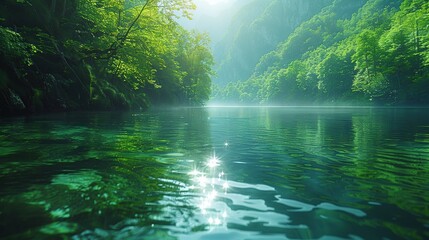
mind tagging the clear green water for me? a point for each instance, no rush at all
(285, 173)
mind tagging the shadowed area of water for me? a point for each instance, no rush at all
(217, 173)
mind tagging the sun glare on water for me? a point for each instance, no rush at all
(210, 181)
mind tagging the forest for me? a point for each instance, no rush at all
(60, 55)
(214, 119)
(372, 52)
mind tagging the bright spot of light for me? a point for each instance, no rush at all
(216, 2)
(212, 195)
(194, 172)
(213, 162)
(202, 181)
(210, 182)
(225, 185)
(214, 221)
(224, 214)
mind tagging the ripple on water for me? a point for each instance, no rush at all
(81, 180)
(304, 207)
(251, 211)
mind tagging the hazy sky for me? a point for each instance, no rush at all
(213, 17)
(212, 7)
(214, 2)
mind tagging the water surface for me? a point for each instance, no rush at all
(217, 173)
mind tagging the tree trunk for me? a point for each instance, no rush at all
(53, 6)
(63, 12)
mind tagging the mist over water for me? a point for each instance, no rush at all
(317, 52)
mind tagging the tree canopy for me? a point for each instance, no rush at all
(100, 54)
(369, 52)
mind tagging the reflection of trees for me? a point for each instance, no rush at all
(386, 151)
(116, 168)
(389, 167)
(144, 153)
(353, 156)
(311, 141)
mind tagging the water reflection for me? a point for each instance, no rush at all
(96, 173)
(211, 183)
(370, 161)
(262, 173)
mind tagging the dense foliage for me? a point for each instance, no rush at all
(257, 28)
(375, 52)
(100, 54)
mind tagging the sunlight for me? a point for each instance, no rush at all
(202, 181)
(213, 162)
(195, 172)
(216, 2)
(211, 184)
(225, 185)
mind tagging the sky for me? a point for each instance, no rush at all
(212, 7)
(212, 17)
(215, 2)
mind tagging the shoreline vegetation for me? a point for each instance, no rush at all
(66, 55)
(371, 52)
(98, 55)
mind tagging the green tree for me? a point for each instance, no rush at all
(197, 63)
(404, 51)
(369, 78)
(335, 75)
(103, 53)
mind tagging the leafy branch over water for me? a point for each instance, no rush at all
(82, 54)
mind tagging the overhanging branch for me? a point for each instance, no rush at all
(112, 50)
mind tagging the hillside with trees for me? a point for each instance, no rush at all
(61, 55)
(368, 52)
(257, 28)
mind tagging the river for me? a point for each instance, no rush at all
(217, 173)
